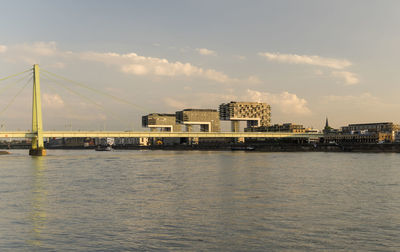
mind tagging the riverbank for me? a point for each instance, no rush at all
(260, 147)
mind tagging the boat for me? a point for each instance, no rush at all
(103, 148)
(244, 148)
(105, 144)
(4, 152)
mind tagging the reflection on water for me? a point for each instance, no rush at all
(191, 201)
(38, 193)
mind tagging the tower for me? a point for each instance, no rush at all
(37, 148)
(327, 128)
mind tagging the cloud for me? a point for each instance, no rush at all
(205, 51)
(198, 100)
(3, 48)
(52, 101)
(40, 48)
(38, 52)
(349, 78)
(140, 65)
(332, 63)
(285, 102)
(307, 59)
(49, 56)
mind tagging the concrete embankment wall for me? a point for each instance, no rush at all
(266, 147)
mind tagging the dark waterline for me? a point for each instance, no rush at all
(176, 200)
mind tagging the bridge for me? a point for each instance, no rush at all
(37, 134)
(45, 134)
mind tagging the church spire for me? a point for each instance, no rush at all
(327, 128)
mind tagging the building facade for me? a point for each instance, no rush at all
(164, 122)
(371, 127)
(358, 138)
(208, 119)
(256, 114)
(286, 127)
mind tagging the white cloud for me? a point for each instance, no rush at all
(40, 48)
(48, 55)
(52, 101)
(3, 48)
(140, 65)
(282, 103)
(307, 59)
(205, 51)
(285, 102)
(38, 52)
(349, 78)
(198, 100)
(135, 69)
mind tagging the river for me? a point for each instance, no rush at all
(83, 200)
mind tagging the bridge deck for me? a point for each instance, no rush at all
(27, 134)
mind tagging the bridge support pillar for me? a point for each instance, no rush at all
(235, 128)
(37, 148)
(37, 152)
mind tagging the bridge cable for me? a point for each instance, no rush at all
(9, 85)
(84, 97)
(96, 91)
(14, 75)
(15, 96)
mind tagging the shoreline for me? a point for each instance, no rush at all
(253, 147)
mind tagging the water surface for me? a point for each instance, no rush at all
(198, 200)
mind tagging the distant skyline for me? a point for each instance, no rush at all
(308, 59)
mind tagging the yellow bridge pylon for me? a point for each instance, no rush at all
(37, 148)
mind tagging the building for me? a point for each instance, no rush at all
(286, 127)
(256, 114)
(328, 129)
(387, 127)
(164, 122)
(340, 138)
(363, 133)
(312, 130)
(208, 119)
(131, 141)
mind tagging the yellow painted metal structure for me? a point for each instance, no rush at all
(37, 148)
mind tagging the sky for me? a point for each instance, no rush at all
(308, 59)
